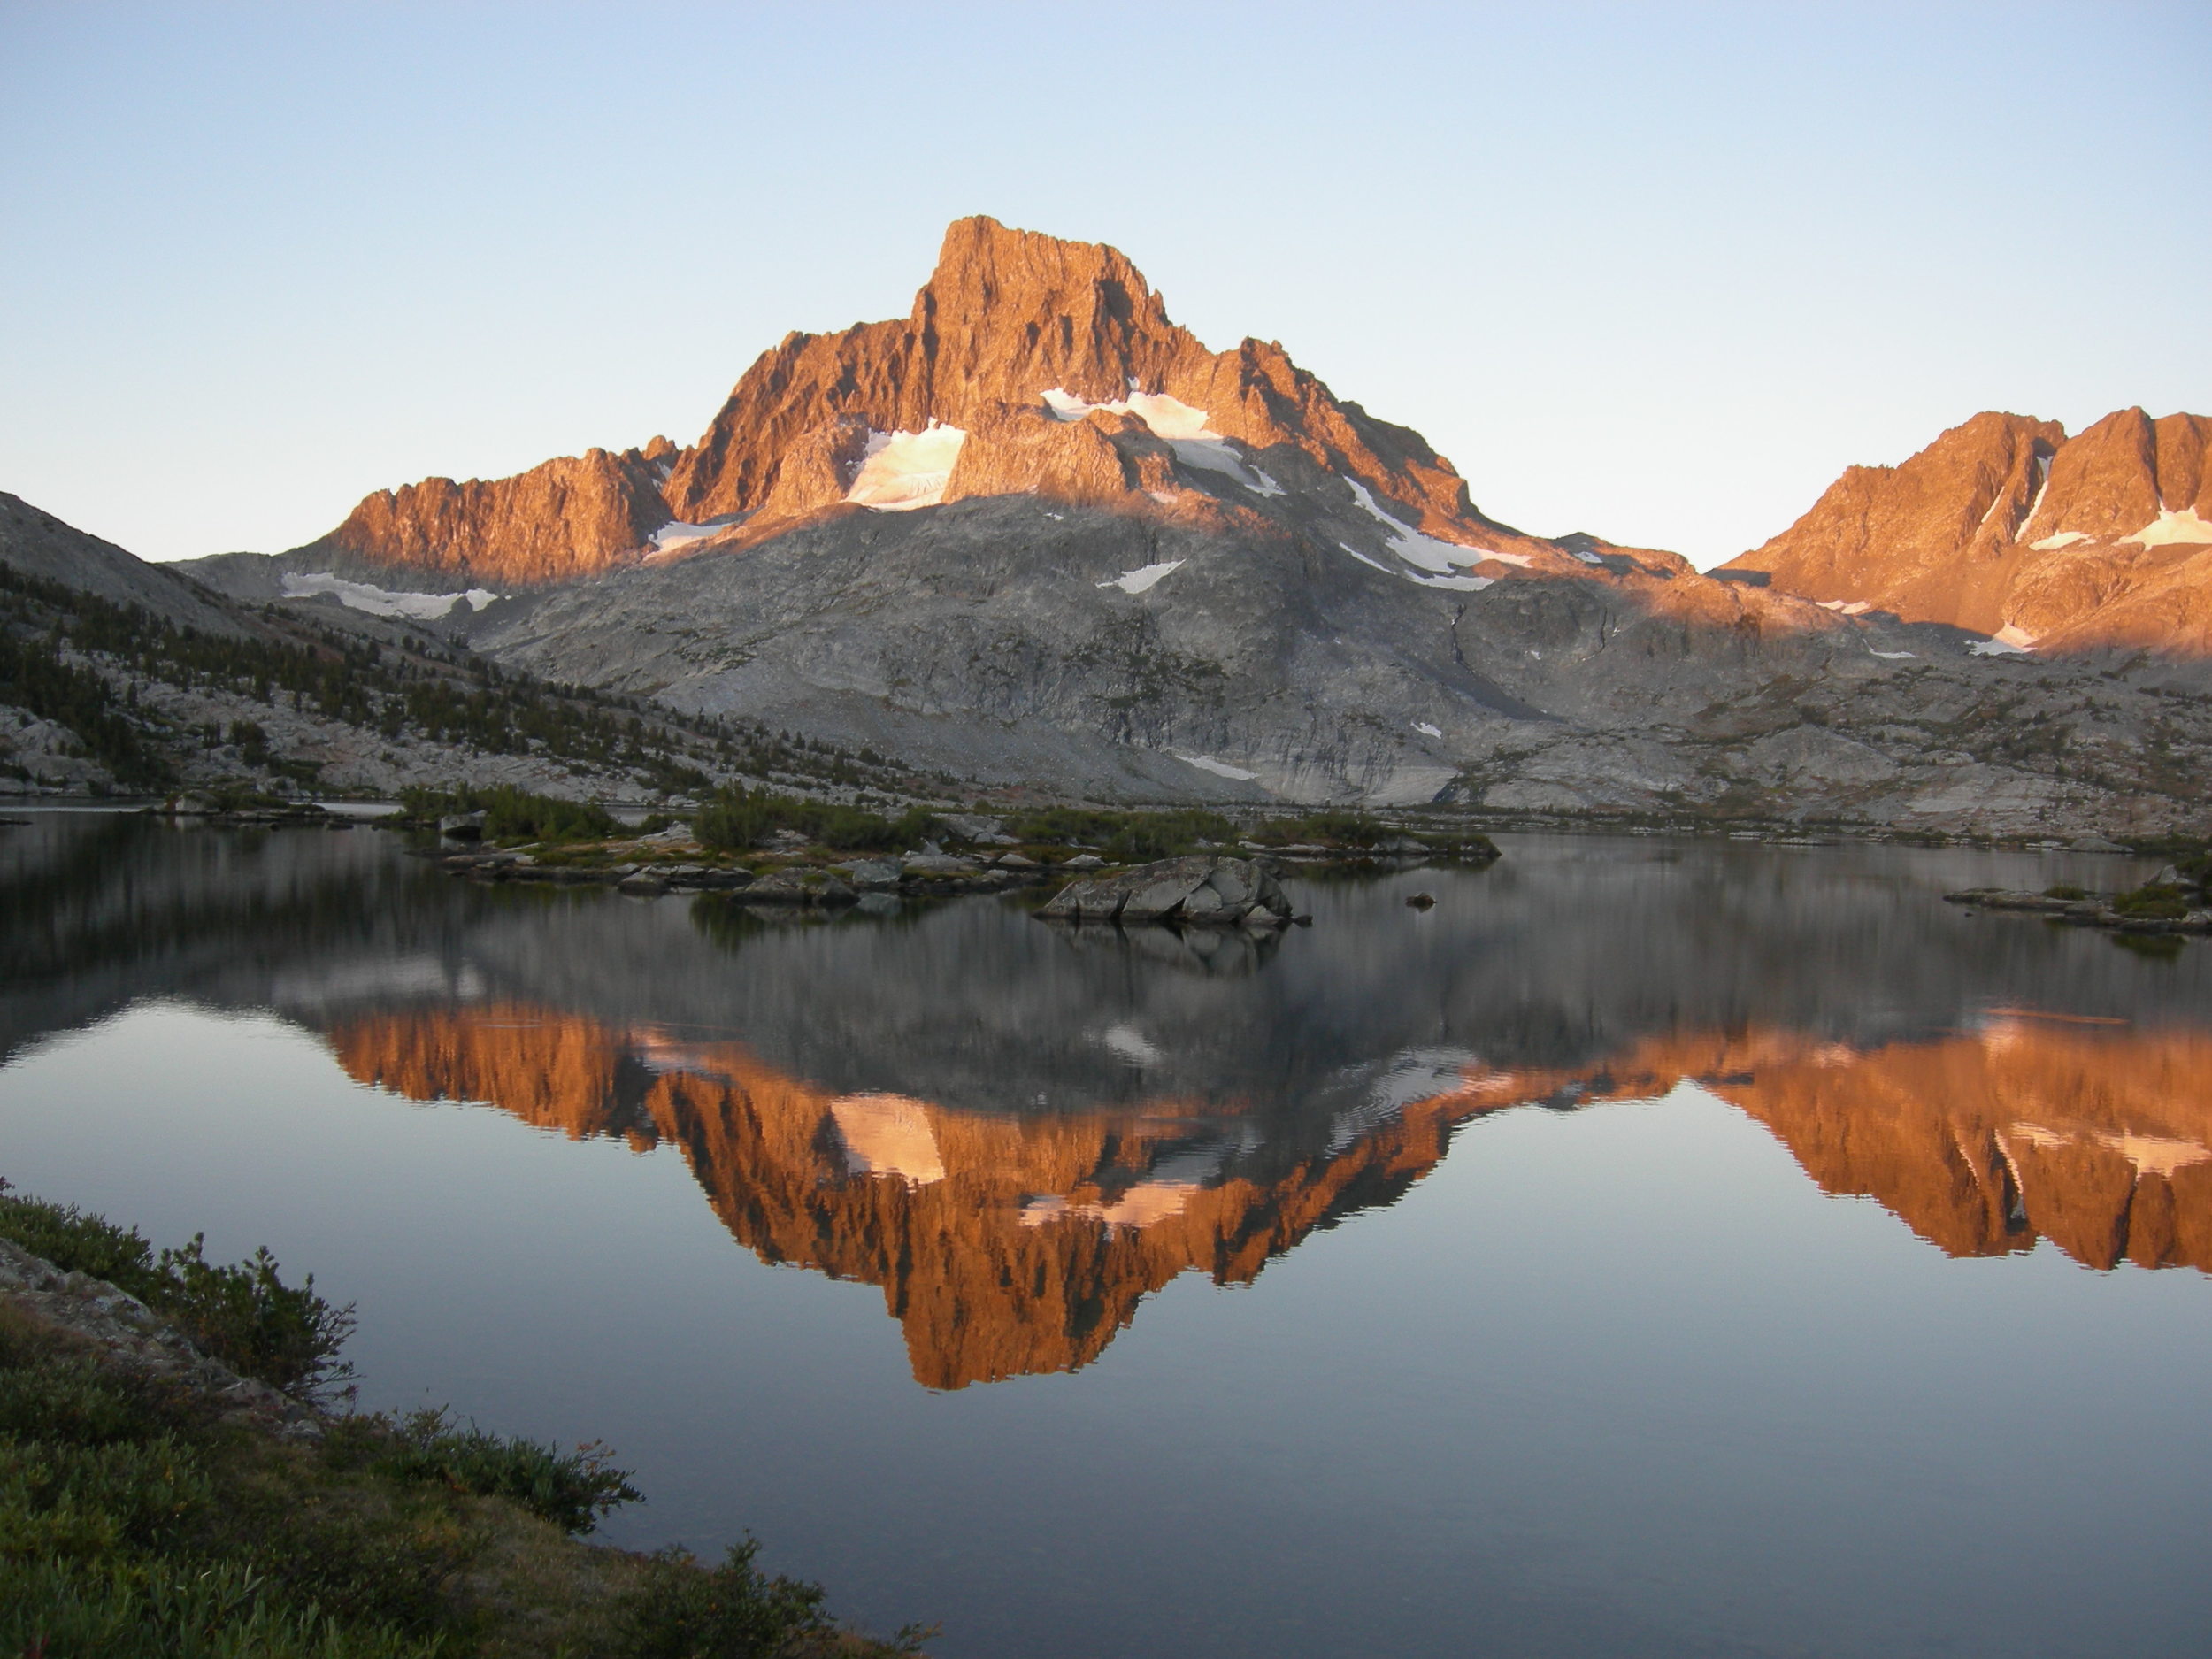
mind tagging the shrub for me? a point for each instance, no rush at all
(243, 1315)
(2152, 903)
(684, 1611)
(2064, 890)
(571, 1489)
(736, 819)
(515, 815)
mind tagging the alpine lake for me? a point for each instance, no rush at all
(1655, 1247)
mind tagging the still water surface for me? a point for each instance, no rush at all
(1656, 1248)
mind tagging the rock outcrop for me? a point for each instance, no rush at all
(1200, 890)
(2006, 527)
(568, 518)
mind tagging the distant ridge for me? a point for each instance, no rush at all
(2006, 527)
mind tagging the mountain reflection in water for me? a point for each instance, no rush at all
(1019, 1132)
(1007, 1244)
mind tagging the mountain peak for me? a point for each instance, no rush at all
(2006, 526)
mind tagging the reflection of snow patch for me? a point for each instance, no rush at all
(2170, 527)
(1219, 768)
(1141, 1206)
(382, 601)
(888, 1134)
(902, 470)
(2064, 538)
(1427, 730)
(1130, 1044)
(1143, 577)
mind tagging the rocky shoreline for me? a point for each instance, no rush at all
(2171, 901)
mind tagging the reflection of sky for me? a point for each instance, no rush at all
(1620, 1379)
(1613, 1380)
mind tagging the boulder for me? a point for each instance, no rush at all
(932, 864)
(797, 886)
(871, 875)
(461, 826)
(1201, 889)
(977, 830)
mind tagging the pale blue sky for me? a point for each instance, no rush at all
(1657, 272)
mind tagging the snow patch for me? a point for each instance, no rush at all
(1183, 429)
(1427, 730)
(1212, 454)
(1219, 768)
(1169, 417)
(1893, 657)
(1847, 607)
(900, 471)
(1426, 552)
(382, 601)
(1588, 557)
(1145, 577)
(1363, 559)
(669, 537)
(2007, 641)
(2170, 527)
(1455, 584)
(2064, 538)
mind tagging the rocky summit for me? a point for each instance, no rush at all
(2007, 526)
(1035, 535)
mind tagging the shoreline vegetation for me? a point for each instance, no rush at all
(760, 847)
(181, 1474)
(2176, 900)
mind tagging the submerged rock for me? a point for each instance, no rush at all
(1200, 888)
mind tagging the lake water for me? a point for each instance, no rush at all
(1655, 1248)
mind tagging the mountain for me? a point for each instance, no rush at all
(2006, 527)
(116, 675)
(1037, 536)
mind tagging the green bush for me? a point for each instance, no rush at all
(515, 815)
(736, 819)
(684, 1610)
(571, 1489)
(244, 1315)
(2152, 903)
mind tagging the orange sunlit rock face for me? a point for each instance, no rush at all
(1007, 1246)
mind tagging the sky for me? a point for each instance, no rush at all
(1655, 271)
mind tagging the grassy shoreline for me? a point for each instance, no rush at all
(180, 1475)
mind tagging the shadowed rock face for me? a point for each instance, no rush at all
(2006, 524)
